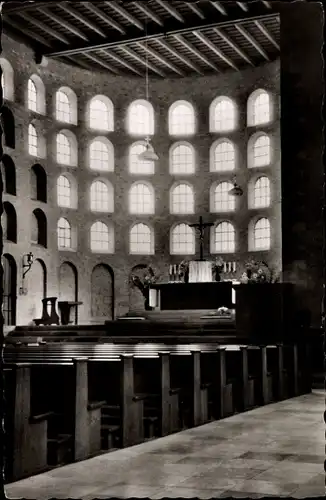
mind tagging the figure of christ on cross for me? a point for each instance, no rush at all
(201, 226)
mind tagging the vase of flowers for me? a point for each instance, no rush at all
(218, 268)
(258, 272)
(144, 282)
(183, 271)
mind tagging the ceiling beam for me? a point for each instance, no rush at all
(235, 47)
(171, 10)
(243, 6)
(124, 13)
(102, 63)
(267, 4)
(267, 34)
(22, 34)
(99, 13)
(214, 49)
(160, 58)
(140, 59)
(196, 10)
(25, 6)
(77, 62)
(43, 27)
(218, 6)
(65, 24)
(196, 52)
(122, 62)
(81, 18)
(253, 42)
(149, 13)
(182, 58)
(171, 29)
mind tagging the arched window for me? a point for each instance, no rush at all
(137, 166)
(66, 105)
(101, 155)
(64, 234)
(222, 115)
(140, 118)
(32, 140)
(8, 127)
(262, 234)
(224, 238)
(32, 95)
(262, 192)
(222, 156)
(101, 197)
(141, 198)
(182, 199)
(101, 238)
(181, 118)
(7, 79)
(9, 171)
(182, 159)
(182, 240)
(38, 183)
(259, 108)
(63, 191)
(9, 225)
(39, 228)
(141, 239)
(66, 148)
(36, 94)
(259, 150)
(101, 113)
(221, 200)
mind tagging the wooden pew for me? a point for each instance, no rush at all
(237, 372)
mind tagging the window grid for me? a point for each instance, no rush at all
(224, 116)
(182, 120)
(139, 119)
(182, 200)
(99, 197)
(224, 238)
(262, 194)
(137, 166)
(261, 109)
(63, 192)
(140, 239)
(224, 157)
(262, 234)
(99, 156)
(99, 115)
(223, 201)
(63, 149)
(63, 107)
(183, 240)
(141, 199)
(32, 140)
(31, 95)
(99, 237)
(182, 160)
(262, 151)
(64, 233)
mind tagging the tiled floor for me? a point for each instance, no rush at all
(278, 450)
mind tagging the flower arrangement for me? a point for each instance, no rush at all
(218, 267)
(183, 268)
(148, 278)
(258, 272)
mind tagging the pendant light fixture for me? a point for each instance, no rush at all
(236, 190)
(149, 153)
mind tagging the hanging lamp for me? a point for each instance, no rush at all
(236, 190)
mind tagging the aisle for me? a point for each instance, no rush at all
(278, 449)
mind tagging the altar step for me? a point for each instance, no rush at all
(195, 316)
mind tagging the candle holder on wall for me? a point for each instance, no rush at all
(28, 260)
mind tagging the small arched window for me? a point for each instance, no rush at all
(259, 150)
(101, 155)
(32, 140)
(222, 115)
(221, 200)
(101, 197)
(262, 234)
(181, 118)
(66, 105)
(224, 238)
(140, 118)
(39, 228)
(182, 159)
(9, 170)
(101, 238)
(32, 95)
(63, 191)
(8, 127)
(259, 109)
(262, 192)
(141, 240)
(182, 200)
(36, 94)
(64, 234)
(9, 225)
(66, 148)
(182, 240)
(222, 156)
(141, 198)
(101, 113)
(38, 183)
(7, 79)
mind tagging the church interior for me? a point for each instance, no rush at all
(162, 191)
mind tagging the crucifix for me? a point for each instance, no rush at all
(201, 226)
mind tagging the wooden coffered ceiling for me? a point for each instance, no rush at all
(174, 38)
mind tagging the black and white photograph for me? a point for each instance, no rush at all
(163, 249)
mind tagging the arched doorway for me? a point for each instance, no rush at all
(37, 288)
(9, 289)
(102, 293)
(136, 298)
(68, 287)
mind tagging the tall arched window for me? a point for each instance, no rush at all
(221, 200)
(259, 150)
(101, 155)
(63, 191)
(101, 113)
(66, 105)
(140, 118)
(141, 239)
(259, 109)
(38, 183)
(224, 238)
(9, 222)
(9, 175)
(137, 166)
(182, 199)
(181, 118)
(222, 115)
(262, 192)
(64, 234)
(101, 197)
(141, 198)
(182, 240)
(8, 127)
(32, 95)
(39, 228)
(222, 156)
(7, 79)
(36, 94)
(262, 234)
(182, 159)
(32, 140)
(66, 148)
(101, 238)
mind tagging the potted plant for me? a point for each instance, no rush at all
(259, 272)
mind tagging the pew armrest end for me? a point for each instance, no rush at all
(95, 405)
(176, 390)
(34, 419)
